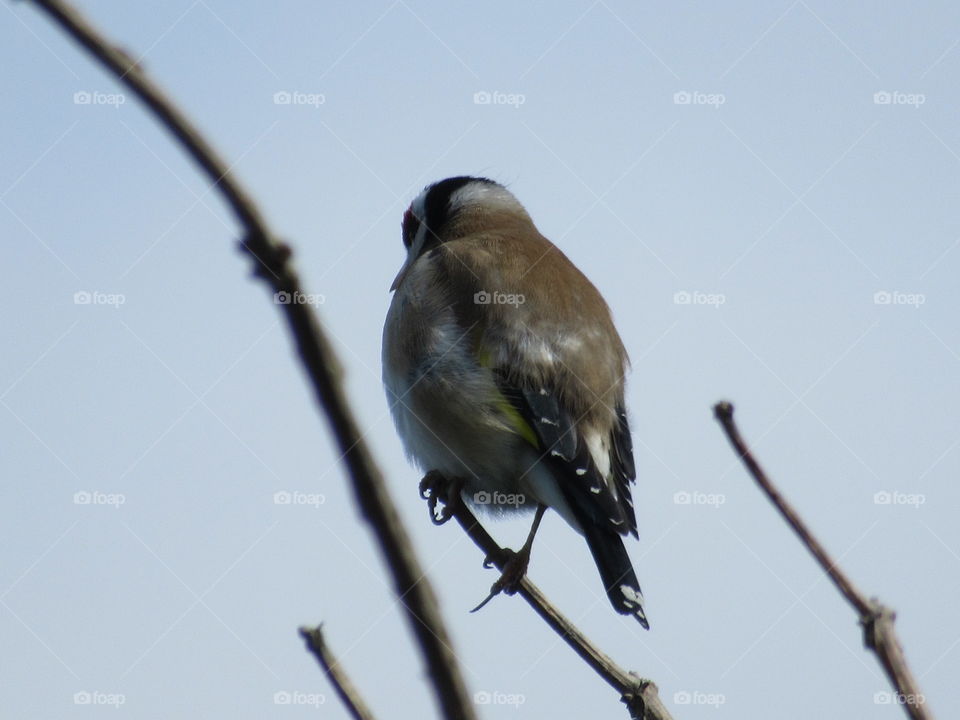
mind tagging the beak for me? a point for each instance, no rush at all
(400, 276)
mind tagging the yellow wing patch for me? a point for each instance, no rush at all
(520, 426)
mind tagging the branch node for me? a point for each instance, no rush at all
(271, 258)
(875, 618)
(633, 696)
(723, 410)
(337, 676)
(875, 623)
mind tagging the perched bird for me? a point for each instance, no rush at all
(504, 371)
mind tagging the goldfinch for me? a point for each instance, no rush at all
(504, 371)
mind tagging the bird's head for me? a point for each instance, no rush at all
(452, 208)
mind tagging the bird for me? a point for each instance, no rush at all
(503, 370)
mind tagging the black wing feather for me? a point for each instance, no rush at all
(624, 471)
(569, 457)
(604, 515)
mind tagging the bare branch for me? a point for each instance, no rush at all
(638, 694)
(876, 619)
(347, 691)
(273, 265)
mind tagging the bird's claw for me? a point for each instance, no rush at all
(501, 557)
(514, 570)
(487, 599)
(435, 488)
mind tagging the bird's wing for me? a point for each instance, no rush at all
(564, 448)
(559, 386)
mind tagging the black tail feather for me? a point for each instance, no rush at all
(616, 571)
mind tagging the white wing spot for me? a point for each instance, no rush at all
(582, 472)
(599, 452)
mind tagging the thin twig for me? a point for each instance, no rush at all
(875, 618)
(349, 695)
(638, 694)
(273, 265)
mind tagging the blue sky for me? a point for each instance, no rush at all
(766, 194)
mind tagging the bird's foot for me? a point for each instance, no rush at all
(514, 570)
(434, 488)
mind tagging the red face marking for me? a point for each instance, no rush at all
(410, 225)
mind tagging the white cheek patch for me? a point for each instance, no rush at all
(418, 208)
(488, 194)
(419, 240)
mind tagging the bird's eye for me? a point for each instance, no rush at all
(410, 227)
